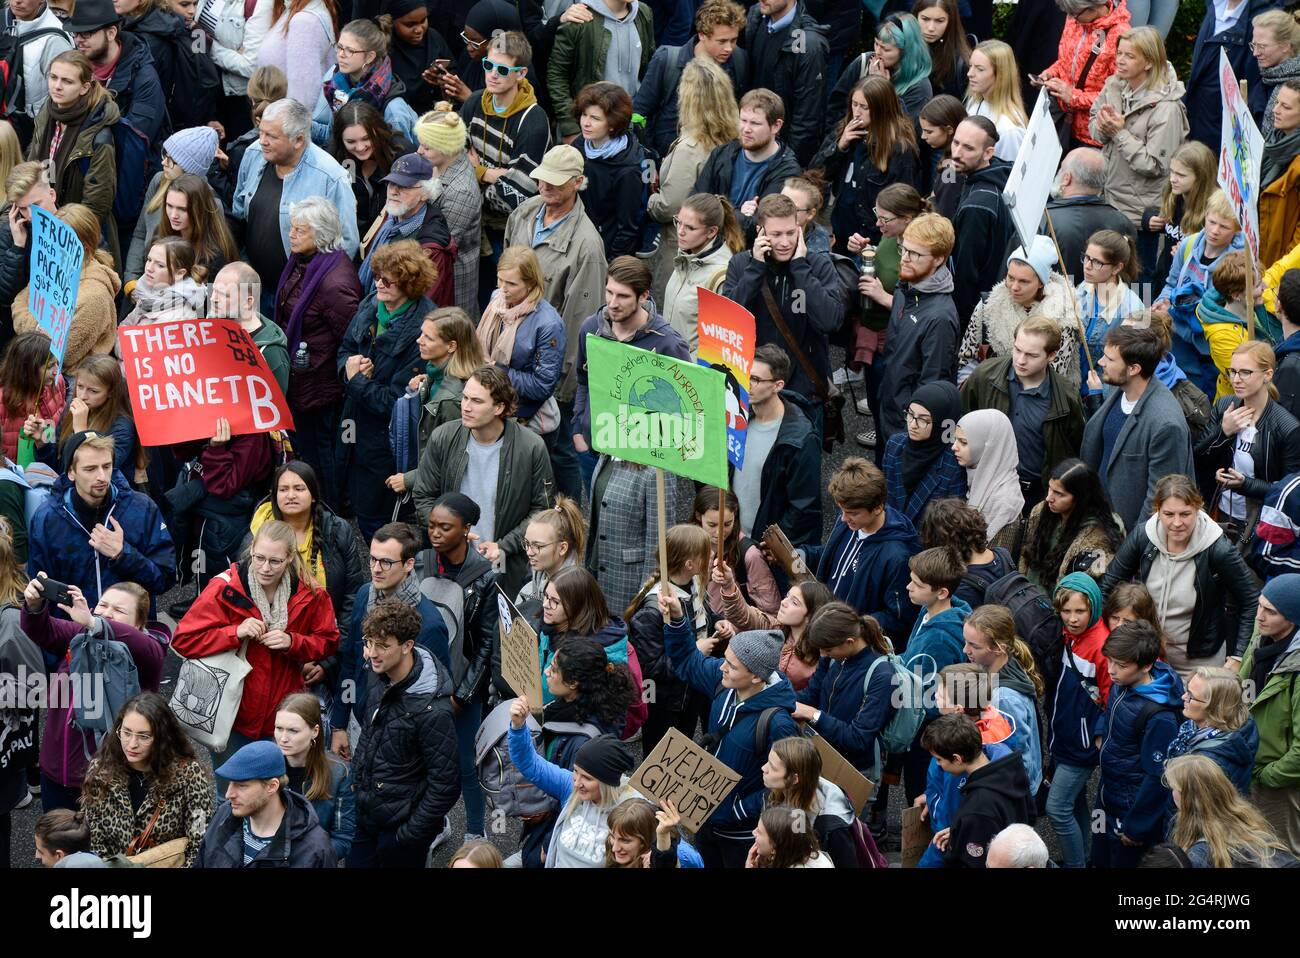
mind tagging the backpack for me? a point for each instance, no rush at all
(36, 481)
(901, 730)
(1036, 620)
(1195, 406)
(1148, 710)
(13, 95)
(198, 85)
(980, 585)
(503, 785)
(131, 148)
(404, 431)
(448, 597)
(116, 680)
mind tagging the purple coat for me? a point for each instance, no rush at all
(63, 749)
(324, 323)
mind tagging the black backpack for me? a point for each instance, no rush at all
(13, 94)
(1036, 620)
(198, 85)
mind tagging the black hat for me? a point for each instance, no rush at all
(605, 759)
(73, 443)
(91, 15)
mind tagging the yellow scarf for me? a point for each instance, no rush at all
(264, 514)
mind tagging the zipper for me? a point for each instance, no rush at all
(1110, 724)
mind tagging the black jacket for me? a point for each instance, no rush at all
(856, 182)
(983, 228)
(1226, 593)
(1276, 450)
(1075, 219)
(613, 198)
(791, 483)
(1286, 379)
(476, 648)
(920, 345)
(992, 798)
(406, 773)
(15, 273)
(715, 176)
(792, 64)
(140, 82)
(300, 841)
(812, 279)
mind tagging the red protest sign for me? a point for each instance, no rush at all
(184, 375)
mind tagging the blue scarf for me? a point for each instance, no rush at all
(612, 147)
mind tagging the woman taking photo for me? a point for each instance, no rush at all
(1279, 177)
(1072, 530)
(171, 287)
(613, 161)
(1215, 826)
(314, 773)
(521, 332)
(191, 213)
(984, 444)
(994, 91)
(873, 146)
(32, 392)
(739, 553)
(184, 152)
(1218, 726)
(1105, 297)
(416, 45)
(919, 465)
(554, 540)
(707, 236)
(367, 146)
(1250, 443)
(146, 786)
(82, 170)
(270, 605)
(315, 301)
(949, 45)
(376, 359)
(94, 320)
(1201, 586)
(301, 43)
(707, 118)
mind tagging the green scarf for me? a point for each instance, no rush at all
(436, 374)
(386, 316)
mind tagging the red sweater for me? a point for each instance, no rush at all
(1073, 52)
(49, 406)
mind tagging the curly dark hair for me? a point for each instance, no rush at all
(394, 619)
(1054, 535)
(954, 522)
(171, 750)
(605, 689)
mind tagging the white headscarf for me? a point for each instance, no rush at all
(993, 481)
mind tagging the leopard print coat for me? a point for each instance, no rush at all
(188, 804)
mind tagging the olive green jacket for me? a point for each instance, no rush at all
(1276, 711)
(578, 58)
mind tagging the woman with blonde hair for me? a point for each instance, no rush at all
(1193, 172)
(1215, 825)
(706, 234)
(555, 539)
(313, 772)
(993, 90)
(477, 854)
(1275, 36)
(1279, 177)
(94, 320)
(1139, 120)
(11, 151)
(708, 118)
(1218, 726)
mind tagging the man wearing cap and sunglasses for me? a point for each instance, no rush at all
(410, 214)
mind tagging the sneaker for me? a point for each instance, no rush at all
(867, 438)
(864, 407)
(842, 376)
(651, 251)
(473, 837)
(26, 800)
(34, 789)
(437, 843)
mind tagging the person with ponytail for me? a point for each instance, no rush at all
(1104, 297)
(991, 643)
(707, 235)
(62, 840)
(740, 554)
(689, 551)
(793, 777)
(1215, 826)
(364, 74)
(555, 539)
(313, 773)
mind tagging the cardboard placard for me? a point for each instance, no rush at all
(521, 664)
(687, 775)
(56, 260)
(778, 543)
(836, 768)
(1241, 153)
(916, 836)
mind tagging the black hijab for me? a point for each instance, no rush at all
(410, 62)
(943, 402)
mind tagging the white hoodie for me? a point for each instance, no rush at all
(1172, 584)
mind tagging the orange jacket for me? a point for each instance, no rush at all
(1279, 215)
(1077, 44)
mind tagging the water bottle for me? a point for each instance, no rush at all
(868, 268)
(301, 360)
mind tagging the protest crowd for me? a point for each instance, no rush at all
(471, 370)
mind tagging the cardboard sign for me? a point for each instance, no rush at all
(836, 768)
(56, 259)
(185, 375)
(916, 836)
(687, 775)
(778, 543)
(1240, 152)
(521, 664)
(1029, 185)
(727, 342)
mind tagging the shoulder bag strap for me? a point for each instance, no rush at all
(141, 841)
(805, 363)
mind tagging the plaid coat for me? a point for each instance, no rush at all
(461, 203)
(944, 479)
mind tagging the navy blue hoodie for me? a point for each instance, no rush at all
(872, 575)
(1287, 377)
(852, 715)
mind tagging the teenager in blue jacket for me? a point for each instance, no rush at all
(864, 562)
(747, 692)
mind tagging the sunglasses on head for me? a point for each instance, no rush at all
(501, 69)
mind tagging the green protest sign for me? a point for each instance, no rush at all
(658, 411)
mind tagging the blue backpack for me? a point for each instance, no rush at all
(131, 148)
(36, 481)
(404, 431)
(105, 665)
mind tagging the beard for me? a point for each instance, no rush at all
(398, 209)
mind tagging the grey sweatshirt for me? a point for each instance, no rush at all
(623, 64)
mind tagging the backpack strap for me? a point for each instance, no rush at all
(761, 729)
(979, 586)
(805, 363)
(1147, 711)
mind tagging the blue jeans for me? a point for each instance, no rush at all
(1154, 13)
(467, 721)
(1067, 807)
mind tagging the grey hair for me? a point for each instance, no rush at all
(1072, 8)
(1087, 167)
(293, 117)
(1023, 846)
(323, 218)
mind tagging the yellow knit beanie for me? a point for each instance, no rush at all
(442, 129)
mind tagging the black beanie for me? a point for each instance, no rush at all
(461, 506)
(605, 759)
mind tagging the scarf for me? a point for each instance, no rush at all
(275, 612)
(942, 401)
(185, 295)
(319, 265)
(1273, 78)
(373, 86)
(61, 133)
(496, 330)
(1189, 735)
(407, 593)
(1279, 150)
(994, 484)
(1266, 656)
(387, 316)
(613, 147)
(391, 230)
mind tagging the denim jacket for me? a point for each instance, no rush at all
(317, 174)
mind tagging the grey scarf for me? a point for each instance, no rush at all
(408, 592)
(1279, 150)
(1274, 77)
(275, 613)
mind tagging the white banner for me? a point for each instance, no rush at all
(1240, 153)
(1030, 184)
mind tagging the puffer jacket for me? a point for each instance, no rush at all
(324, 325)
(1279, 214)
(1137, 157)
(406, 773)
(1077, 45)
(537, 358)
(995, 320)
(210, 626)
(705, 268)
(300, 842)
(1275, 451)
(94, 321)
(1233, 751)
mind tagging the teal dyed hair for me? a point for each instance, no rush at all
(901, 30)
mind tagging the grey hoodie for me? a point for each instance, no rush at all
(578, 840)
(623, 63)
(81, 860)
(1172, 583)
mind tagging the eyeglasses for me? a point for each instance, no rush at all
(86, 34)
(383, 281)
(539, 546)
(348, 50)
(882, 218)
(1254, 47)
(384, 564)
(144, 738)
(501, 69)
(905, 252)
(550, 602)
(1192, 698)
(1241, 373)
(267, 561)
(760, 379)
(1095, 263)
(919, 420)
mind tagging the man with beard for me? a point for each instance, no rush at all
(410, 214)
(982, 226)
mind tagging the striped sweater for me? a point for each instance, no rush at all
(514, 140)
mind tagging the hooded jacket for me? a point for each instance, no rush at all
(983, 227)
(515, 141)
(1279, 214)
(996, 319)
(1204, 98)
(856, 181)
(656, 95)
(94, 320)
(1225, 590)
(1233, 751)
(476, 647)
(833, 821)
(406, 773)
(137, 90)
(1275, 451)
(57, 542)
(1206, 345)
(1276, 711)
(871, 574)
(718, 170)
(732, 725)
(325, 321)
(853, 714)
(581, 50)
(706, 267)
(790, 484)
(943, 797)
(613, 194)
(1137, 157)
(920, 345)
(1083, 687)
(1189, 278)
(164, 33)
(64, 748)
(1287, 376)
(992, 797)
(210, 627)
(300, 842)
(1080, 44)
(37, 54)
(791, 62)
(1016, 697)
(656, 336)
(934, 644)
(1131, 768)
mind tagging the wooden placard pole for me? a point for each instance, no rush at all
(663, 529)
(1083, 333)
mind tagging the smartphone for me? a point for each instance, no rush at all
(439, 66)
(56, 592)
